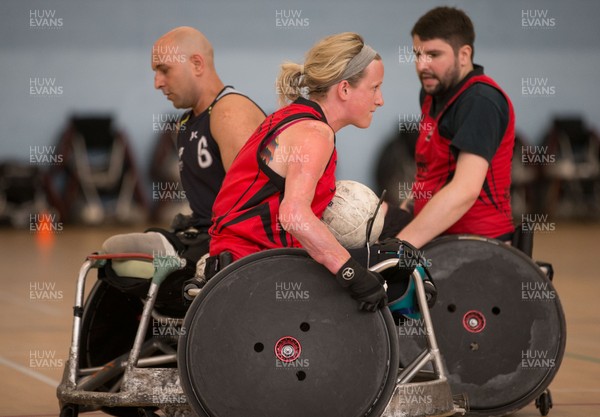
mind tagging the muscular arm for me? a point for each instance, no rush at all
(232, 121)
(450, 203)
(301, 157)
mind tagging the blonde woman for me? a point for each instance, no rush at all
(283, 178)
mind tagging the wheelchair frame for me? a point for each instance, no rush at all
(149, 388)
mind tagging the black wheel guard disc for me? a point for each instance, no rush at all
(275, 335)
(498, 321)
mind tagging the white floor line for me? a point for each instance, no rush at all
(32, 305)
(574, 389)
(29, 372)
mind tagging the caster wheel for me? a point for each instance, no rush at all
(147, 412)
(69, 410)
(544, 402)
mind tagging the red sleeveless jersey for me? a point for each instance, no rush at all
(245, 213)
(491, 214)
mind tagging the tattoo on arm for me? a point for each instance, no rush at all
(266, 154)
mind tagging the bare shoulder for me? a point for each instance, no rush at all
(311, 129)
(235, 105)
(232, 120)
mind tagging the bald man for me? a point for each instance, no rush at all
(209, 136)
(218, 123)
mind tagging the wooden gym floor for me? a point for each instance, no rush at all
(37, 291)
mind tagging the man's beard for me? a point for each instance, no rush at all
(448, 81)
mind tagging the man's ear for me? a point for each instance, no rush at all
(465, 55)
(197, 61)
(342, 89)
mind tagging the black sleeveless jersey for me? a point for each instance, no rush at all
(200, 166)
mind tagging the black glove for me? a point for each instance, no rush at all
(364, 285)
(408, 257)
(182, 222)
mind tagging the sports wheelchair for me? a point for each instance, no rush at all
(503, 330)
(272, 334)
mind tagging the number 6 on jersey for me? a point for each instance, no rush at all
(204, 157)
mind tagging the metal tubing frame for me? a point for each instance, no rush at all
(142, 363)
(160, 274)
(69, 387)
(78, 312)
(143, 326)
(434, 349)
(432, 352)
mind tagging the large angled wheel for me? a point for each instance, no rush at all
(109, 323)
(498, 320)
(275, 335)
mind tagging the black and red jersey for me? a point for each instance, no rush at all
(436, 156)
(245, 213)
(200, 166)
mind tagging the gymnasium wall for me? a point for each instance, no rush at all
(96, 57)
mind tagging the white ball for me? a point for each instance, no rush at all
(349, 211)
